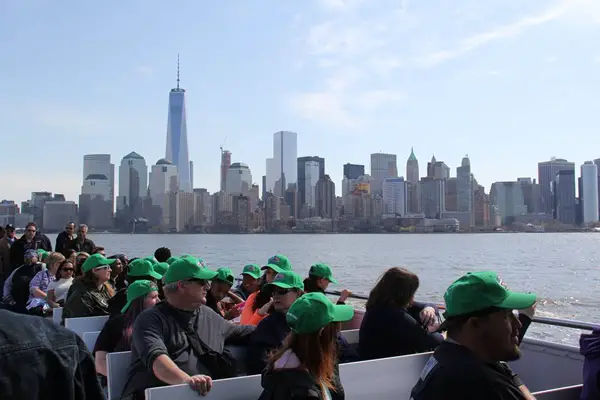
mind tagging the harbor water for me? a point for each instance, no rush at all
(562, 269)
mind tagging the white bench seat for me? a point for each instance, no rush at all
(89, 338)
(85, 324)
(563, 393)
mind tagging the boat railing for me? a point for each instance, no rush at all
(574, 324)
(564, 323)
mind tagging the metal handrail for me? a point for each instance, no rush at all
(574, 324)
(564, 323)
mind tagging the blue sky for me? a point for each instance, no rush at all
(508, 82)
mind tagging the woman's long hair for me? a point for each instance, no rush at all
(79, 263)
(310, 285)
(90, 280)
(136, 308)
(60, 267)
(263, 296)
(317, 353)
(395, 288)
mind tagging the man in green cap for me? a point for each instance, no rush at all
(483, 333)
(220, 291)
(180, 329)
(250, 281)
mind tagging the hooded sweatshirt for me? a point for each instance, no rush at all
(589, 347)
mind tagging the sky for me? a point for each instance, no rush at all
(508, 82)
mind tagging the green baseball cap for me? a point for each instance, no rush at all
(188, 268)
(143, 267)
(225, 275)
(95, 261)
(477, 291)
(152, 260)
(313, 311)
(138, 289)
(172, 259)
(161, 268)
(252, 270)
(196, 259)
(287, 280)
(278, 263)
(321, 270)
(41, 253)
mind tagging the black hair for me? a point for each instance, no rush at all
(60, 267)
(263, 296)
(310, 284)
(162, 254)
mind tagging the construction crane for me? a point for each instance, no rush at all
(223, 144)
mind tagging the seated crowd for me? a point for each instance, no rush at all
(176, 316)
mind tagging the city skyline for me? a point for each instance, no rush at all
(458, 86)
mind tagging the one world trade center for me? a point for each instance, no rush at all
(177, 142)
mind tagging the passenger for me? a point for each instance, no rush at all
(162, 254)
(589, 347)
(81, 242)
(31, 240)
(139, 269)
(42, 256)
(64, 238)
(80, 259)
(116, 333)
(161, 268)
(118, 276)
(5, 244)
(319, 278)
(38, 287)
(305, 367)
(89, 294)
(180, 340)
(271, 331)
(483, 334)
(258, 303)
(250, 281)
(393, 324)
(16, 287)
(220, 289)
(41, 360)
(70, 255)
(58, 289)
(99, 250)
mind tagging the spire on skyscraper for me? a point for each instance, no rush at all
(177, 70)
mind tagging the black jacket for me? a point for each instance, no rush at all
(267, 336)
(20, 284)
(41, 360)
(292, 384)
(17, 250)
(62, 242)
(87, 246)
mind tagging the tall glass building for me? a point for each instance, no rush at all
(285, 154)
(177, 142)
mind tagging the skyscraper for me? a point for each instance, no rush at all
(133, 182)
(177, 142)
(382, 166)
(589, 197)
(412, 167)
(310, 170)
(547, 171)
(285, 154)
(353, 171)
(225, 164)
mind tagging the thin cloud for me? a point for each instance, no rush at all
(507, 31)
(144, 71)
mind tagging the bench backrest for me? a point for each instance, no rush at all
(85, 324)
(89, 338)
(563, 393)
(57, 315)
(388, 378)
(117, 365)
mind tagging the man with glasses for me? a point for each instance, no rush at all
(65, 237)
(5, 244)
(181, 340)
(31, 240)
(81, 242)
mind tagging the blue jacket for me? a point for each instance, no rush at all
(589, 347)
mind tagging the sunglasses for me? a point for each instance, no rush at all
(281, 291)
(102, 267)
(67, 270)
(31, 230)
(201, 282)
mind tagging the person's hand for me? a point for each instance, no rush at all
(264, 310)
(344, 294)
(530, 311)
(233, 313)
(200, 383)
(428, 316)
